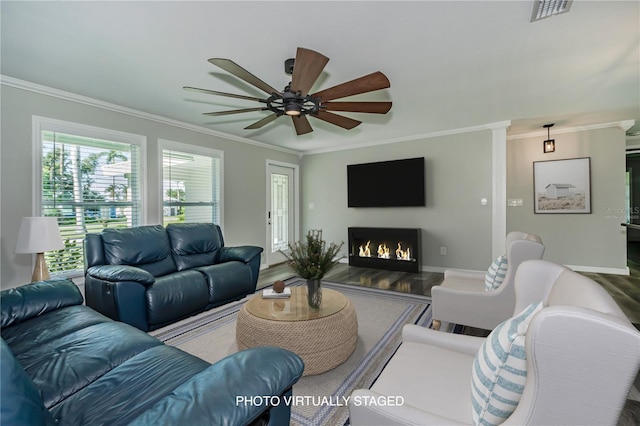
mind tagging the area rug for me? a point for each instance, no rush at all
(381, 316)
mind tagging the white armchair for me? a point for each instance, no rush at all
(462, 299)
(582, 355)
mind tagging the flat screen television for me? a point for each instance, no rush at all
(396, 183)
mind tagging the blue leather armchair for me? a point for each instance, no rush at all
(65, 364)
(151, 276)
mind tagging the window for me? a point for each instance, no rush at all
(191, 183)
(90, 179)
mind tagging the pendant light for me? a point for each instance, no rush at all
(550, 144)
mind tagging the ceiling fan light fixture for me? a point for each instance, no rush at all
(292, 109)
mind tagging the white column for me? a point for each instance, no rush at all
(499, 187)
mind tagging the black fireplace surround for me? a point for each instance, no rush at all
(394, 249)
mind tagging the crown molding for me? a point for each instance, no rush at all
(624, 125)
(73, 97)
(68, 96)
(490, 126)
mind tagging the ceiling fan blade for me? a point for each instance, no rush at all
(233, 111)
(235, 69)
(230, 95)
(258, 124)
(368, 107)
(338, 120)
(367, 83)
(306, 70)
(301, 123)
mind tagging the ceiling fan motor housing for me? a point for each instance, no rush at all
(280, 103)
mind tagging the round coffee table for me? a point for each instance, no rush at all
(324, 338)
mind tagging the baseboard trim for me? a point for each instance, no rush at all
(577, 268)
(600, 270)
(439, 269)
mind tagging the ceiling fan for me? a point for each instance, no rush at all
(295, 100)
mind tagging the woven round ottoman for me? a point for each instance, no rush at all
(324, 338)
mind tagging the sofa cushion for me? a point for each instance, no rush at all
(194, 244)
(146, 247)
(227, 281)
(29, 335)
(21, 402)
(500, 370)
(415, 366)
(62, 366)
(125, 392)
(496, 273)
(175, 296)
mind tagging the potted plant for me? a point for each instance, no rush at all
(311, 259)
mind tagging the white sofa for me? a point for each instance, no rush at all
(462, 298)
(582, 355)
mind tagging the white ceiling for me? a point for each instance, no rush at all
(451, 64)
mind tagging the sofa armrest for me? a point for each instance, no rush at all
(21, 401)
(31, 300)
(116, 273)
(241, 253)
(233, 391)
(367, 407)
(455, 342)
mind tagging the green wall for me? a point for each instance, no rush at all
(458, 175)
(586, 241)
(244, 169)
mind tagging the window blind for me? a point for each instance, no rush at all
(191, 187)
(88, 184)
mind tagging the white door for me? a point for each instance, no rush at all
(281, 212)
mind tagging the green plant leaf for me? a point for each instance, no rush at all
(312, 258)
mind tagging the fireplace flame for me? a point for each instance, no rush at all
(366, 250)
(403, 254)
(383, 251)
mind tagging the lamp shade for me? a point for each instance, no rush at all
(38, 234)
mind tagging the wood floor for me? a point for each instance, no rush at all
(406, 282)
(624, 289)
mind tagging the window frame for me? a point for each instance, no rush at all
(165, 144)
(40, 124)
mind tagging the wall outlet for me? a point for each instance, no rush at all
(443, 251)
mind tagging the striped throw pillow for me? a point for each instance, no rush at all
(496, 273)
(500, 370)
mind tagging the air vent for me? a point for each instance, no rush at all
(545, 8)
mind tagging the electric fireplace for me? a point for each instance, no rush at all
(394, 249)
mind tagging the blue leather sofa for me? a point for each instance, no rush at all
(62, 363)
(151, 276)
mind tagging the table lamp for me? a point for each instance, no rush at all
(37, 235)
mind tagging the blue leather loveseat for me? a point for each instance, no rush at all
(62, 363)
(151, 276)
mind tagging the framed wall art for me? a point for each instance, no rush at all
(562, 186)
